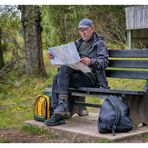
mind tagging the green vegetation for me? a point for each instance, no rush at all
(59, 23)
(33, 129)
(4, 141)
(145, 136)
(17, 96)
(103, 141)
(38, 131)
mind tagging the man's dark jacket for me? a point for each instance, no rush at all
(98, 54)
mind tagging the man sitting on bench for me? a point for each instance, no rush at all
(94, 54)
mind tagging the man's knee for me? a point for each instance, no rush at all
(65, 70)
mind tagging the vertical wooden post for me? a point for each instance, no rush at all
(129, 39)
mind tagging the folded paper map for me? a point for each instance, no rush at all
(67, 54)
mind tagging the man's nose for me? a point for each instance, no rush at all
(83, 33)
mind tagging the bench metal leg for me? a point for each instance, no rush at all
(76, 109)
(138, 106)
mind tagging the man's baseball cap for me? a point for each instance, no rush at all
(84, 23)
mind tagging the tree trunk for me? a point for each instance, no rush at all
(1, 51)
(31, 19)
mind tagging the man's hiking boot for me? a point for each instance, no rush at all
(61, 111)
(53, 121)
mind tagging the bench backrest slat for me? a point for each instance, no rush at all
(120, 67)
(128, 63)
(132, 53)
(127, 74)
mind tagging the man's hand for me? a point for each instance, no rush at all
(50, 56)
(85, 61)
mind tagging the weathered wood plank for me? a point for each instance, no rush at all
(128, 63)
(133, 53)
(127, 74)
(136, 17)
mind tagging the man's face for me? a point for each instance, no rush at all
(86, 33)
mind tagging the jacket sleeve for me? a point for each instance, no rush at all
(100, 62)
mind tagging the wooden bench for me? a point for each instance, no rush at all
(129, 64)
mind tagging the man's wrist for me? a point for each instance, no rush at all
(92, 61)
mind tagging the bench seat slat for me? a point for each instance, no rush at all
(133, 53)
(128, 63)
(95, 91)
(87, 104)
(127, 74)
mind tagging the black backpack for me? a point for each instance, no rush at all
(114, 116)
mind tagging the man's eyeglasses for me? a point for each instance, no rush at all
(83, 29)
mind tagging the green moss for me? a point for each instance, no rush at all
(145, 136)
(33, 129)
(4, 141)
(102, 141)
(38, 131)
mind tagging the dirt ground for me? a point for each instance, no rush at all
(13, 135)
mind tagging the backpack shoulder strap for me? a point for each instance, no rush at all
(113, 100)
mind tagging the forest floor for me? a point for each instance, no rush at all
(13, 135)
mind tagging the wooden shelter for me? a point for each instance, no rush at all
(137, 26)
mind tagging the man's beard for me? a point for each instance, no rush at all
(85, 39)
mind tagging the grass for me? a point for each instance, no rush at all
(128, 84)
(33, 129)
(16, 102)
(17, 95)
(4, 141)
(103, 141)
(38, 131)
